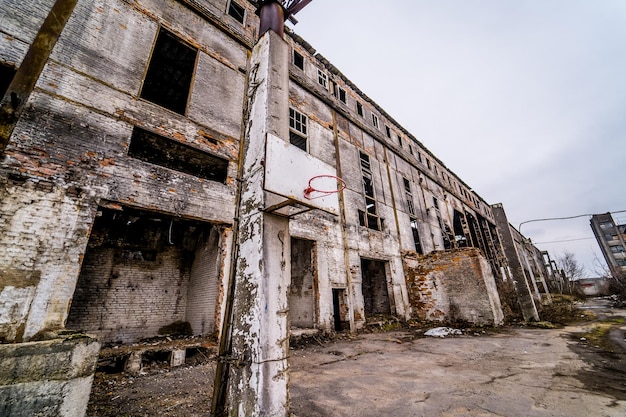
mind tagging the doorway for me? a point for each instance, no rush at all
(340, 310)
(303, 284)
(374, 287)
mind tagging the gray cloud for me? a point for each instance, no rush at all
(524, 100)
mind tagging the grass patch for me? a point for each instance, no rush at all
(598, 335)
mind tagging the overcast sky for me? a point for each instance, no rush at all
(525, 100)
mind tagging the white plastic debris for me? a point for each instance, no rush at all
(442, 332)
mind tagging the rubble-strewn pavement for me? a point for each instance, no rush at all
(513, 371)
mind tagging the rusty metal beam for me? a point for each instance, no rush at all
(16, 96)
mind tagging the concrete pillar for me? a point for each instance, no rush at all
(258, 375)
(524, 293)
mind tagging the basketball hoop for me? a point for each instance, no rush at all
(341, 184)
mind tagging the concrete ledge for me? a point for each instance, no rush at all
(48, 378)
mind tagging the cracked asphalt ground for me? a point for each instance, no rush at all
(515, 371)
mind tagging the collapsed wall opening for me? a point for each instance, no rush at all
(146, 274)
(374, 287)
(303, 286)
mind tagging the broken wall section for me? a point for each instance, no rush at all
(455, 285)
(145, 272)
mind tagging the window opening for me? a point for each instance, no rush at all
(388, 131)
(322, 78)
(375, 121)
(419, 156)
(399, 141)
(341, 94)
(168, 79)
(298, 60)
(298, 129)
(155, 149)
(416, 236)
(359, 108)
(6, 76)
(237, 12)
(369, 217)
(412, 216)
(410, 149)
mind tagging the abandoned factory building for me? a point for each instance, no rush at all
(119, 183)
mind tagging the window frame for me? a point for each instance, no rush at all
(375, 121)
(322, 78)
(155, 67)
(298, 129)
(300, 59)
(236, 8)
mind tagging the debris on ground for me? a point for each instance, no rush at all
(443, 332)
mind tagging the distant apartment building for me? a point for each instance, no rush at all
(611, 239)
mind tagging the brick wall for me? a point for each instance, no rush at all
(129, 299)
(452, 286)
(203, 286)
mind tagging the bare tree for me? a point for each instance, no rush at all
(570, 266)
(570, 269)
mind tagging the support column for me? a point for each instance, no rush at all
(257, 374)
(524, 294)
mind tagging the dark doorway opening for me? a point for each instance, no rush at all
(303, 286)
(340, 310)
(374, 287)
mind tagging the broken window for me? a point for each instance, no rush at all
(359, 108)
(428, 163)
(461, 230)
(298, 129)
(159, 150)
(409, 197)
(388, 131)
(298, 60)
(412, 216)
(369, 218)
(375, 122)
(399, 141)
(416, 236)
(419, 156)
(236, 11)
(606, 225)
(410, 149)
(6, 76)
(322, 78)
(169, 75)
(341, 94)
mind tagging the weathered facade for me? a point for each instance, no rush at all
(611, 238)
(121, 187)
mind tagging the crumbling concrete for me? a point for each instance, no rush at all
(453, 286)
(51, 378)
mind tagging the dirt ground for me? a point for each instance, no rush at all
(578, 370)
